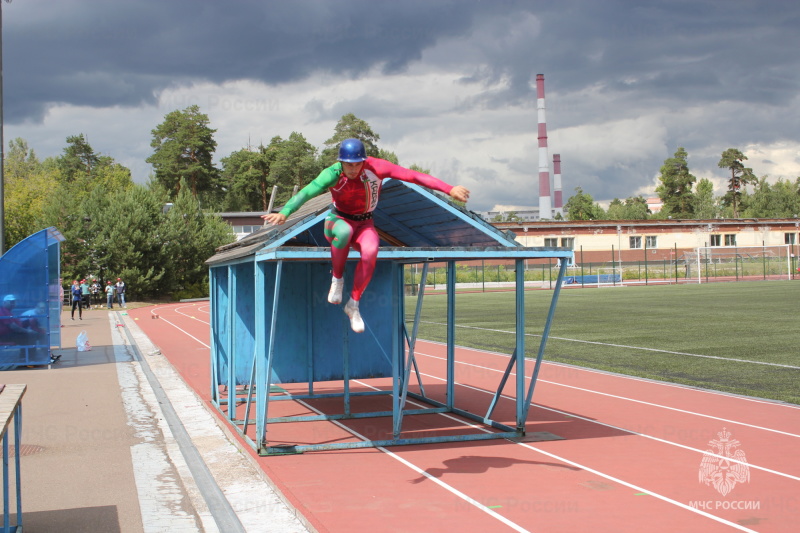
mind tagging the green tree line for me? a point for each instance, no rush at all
(157, 236)
(684, 197)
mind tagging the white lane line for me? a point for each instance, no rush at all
(588, 390)
(179, 309)
(657, 439)
(439, 482)
(449, 488)
(730, 359)
(576, 465)
(739, 397)
(733, 396)
(638, 488)
(184, 332)
(503, 519)
(693, 413)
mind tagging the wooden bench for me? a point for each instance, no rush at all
(11, 409)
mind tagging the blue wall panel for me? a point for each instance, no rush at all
(311, 335)
(244, 320)
(30, 296)
(219, 322)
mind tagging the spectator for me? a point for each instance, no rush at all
(96, 288)
(85, 294)
(77, 300)
(32, 318)
(120, 290)
(11, 329)
(109, 295)
(35, 320)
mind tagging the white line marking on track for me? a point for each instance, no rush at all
(638, 488)
(566, 461)
(657, 439)
(731, 359)
(418, 470)
(623, 398)
(633, 378)
(184, 332)
(578, 465)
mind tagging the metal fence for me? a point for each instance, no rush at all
(479, 275)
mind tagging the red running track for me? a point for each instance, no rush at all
(629, 460)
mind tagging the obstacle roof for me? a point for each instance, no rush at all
(412, 222)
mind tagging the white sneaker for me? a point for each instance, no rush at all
(335, 294)
(351, 310)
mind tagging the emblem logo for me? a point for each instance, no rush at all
(724, 465)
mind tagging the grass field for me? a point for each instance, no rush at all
(734, 337)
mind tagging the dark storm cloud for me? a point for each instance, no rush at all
(654, 51)
(122, 53)
(628, 82)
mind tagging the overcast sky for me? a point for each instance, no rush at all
(448, 85)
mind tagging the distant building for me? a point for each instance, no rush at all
(654, 204)
(244, 223)
(530, 215)
(629, 239)
(594, 240)
(526, 215)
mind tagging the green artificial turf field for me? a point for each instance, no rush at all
(657, 332)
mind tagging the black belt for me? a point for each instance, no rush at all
(355, 218)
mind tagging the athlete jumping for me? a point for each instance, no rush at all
(355, 185)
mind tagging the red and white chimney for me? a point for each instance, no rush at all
(545, 209)
(559, 203)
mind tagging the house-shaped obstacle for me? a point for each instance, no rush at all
(276, 341)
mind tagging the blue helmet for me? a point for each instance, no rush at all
(352, 151)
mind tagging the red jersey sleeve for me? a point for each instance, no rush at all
(387, 169)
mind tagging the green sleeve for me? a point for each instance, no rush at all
(326, 179)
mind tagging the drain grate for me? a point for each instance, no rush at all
(25, 449)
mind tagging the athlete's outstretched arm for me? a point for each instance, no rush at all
(390, 170)
(326, 179)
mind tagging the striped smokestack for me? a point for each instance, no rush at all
(559, 203)
(545, 209)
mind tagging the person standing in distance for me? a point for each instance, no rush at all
(77, 300)
(119, 289)
(355, 184)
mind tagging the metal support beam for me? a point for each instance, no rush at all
(519, 351)
(451, 333)
(545, 334)
(260, 305)
(511, 362)
(262, 438)
(230, 348)
(398, 348)
(411, 361)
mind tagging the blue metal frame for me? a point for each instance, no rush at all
(269, 287)
(285, 325)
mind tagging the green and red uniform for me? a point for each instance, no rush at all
(350, 222)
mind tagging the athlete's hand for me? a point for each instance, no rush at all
(276, 219)
(460, 193)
